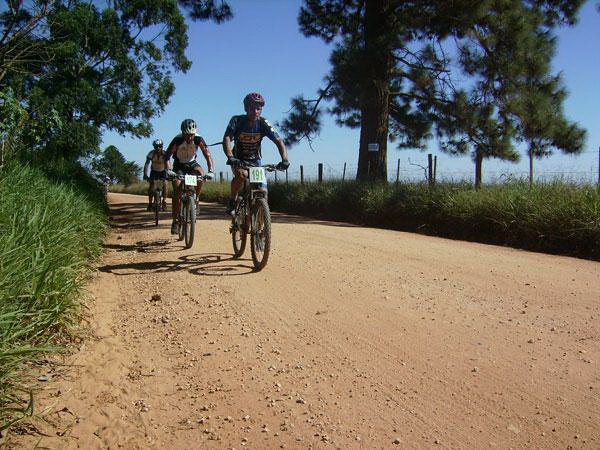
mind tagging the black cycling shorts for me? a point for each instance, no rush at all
(185, 168)
(158, 174)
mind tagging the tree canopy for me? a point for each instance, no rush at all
(94, 65)
(113, 164)
(466, 72)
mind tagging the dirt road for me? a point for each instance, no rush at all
(350, 338)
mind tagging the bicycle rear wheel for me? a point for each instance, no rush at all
(238, 231)
(260, 238)
(190, 222)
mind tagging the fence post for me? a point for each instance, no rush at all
(301, 174)
(430, 168)
(275, 176)
(398, 172)
(286, 176)
(599, 165)
(344, 173)
(220, 177)
(434, 169)
(320, 172)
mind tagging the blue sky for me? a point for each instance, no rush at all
(261, 49)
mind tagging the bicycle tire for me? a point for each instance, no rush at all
(190, 223)
(260, 237)
(238, 234)
(156, 206)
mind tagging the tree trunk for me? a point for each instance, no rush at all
(375, 79)
(478, 168)
(530, 165)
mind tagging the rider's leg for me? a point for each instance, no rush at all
(198, 171)
(165, 193)
(175, 203)
(150, 195)
(239, 175)
(265, 192)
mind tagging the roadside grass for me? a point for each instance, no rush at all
(51, 228)
(559, 217)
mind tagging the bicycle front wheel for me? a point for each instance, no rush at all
(238, 232)
(190, 222)
(260, 238)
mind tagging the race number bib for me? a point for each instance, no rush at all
(191, 180)
(257, 175)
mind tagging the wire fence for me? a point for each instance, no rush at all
(418, 171)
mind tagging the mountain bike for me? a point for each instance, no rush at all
(251, 215)
(157, 198)
(187, 206)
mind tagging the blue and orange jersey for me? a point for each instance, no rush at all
(247, 137)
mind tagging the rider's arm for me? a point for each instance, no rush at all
(207, 155)
(228, 136)
(270, 132)
(282, 150)
(170, 151)
(146, 167)
(227, 146)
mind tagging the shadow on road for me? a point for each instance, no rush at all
(157, 246)
(207, 264)
(133, 216)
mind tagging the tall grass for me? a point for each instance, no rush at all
(557, 217)
(49, 233)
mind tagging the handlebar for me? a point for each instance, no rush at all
(181, 176)
(267, 167)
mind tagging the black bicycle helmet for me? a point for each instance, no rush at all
(157, 143)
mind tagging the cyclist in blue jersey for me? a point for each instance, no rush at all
(158, 171)
(247, 131)
(183, 148)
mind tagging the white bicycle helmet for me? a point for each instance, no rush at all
(157, 143)
(188, 126)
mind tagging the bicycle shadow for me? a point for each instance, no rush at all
(204, 264)
(134, 216)
(155, 246)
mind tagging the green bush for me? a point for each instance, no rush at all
(557, 217)
(50, 231)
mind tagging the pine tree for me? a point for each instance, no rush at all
(404, 70)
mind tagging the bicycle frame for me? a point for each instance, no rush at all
(186, 190)
(251, 191)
